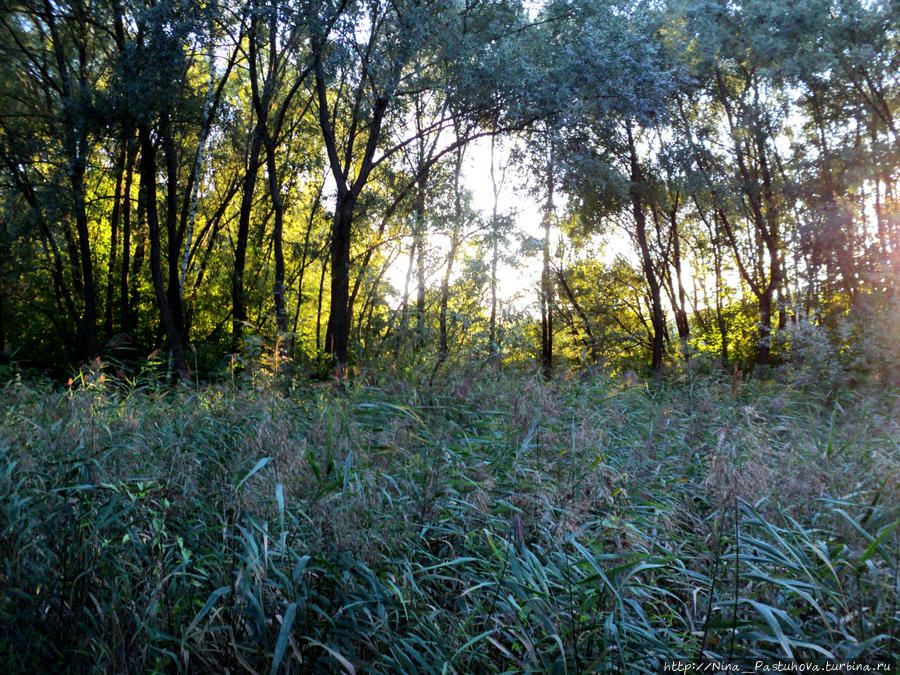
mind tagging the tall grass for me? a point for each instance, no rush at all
(492, 524)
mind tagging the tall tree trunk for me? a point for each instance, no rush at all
(835, 223)
(720, 318)
(75, 141)
(670, 271)
(87, 266)
(114, 237)
(126, 234)
(134, 301)
(337, 335)
(148, 191)
(197, 171)
(681, 316)
(304, 263)
(493, 346)
(657, 318)
(495, 252)
(771, 239)
(173, 234)
(546, 281)
(261, 101)
(764, 213)
(404, 311)
(74, 260)
(64, 298)
(443, 348)
(496, 188)
(238, 301)
(419, 209)
(765, 329)
(579, 310)
(278, 245)
(319, 302)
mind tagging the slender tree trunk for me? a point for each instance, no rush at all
(261, 318)
(76, 148)
(173, 234)
(74, 260)
(404, 313)
(337, 335)
(681, 315)
(495, 254)
(420, 263)
(277, 243)
(198, 161)
(492, 333)
(304, 262)
(319, 304)
(657, 318)
(134, 302)
(126, 234)
(64, 298)
(238, 301)
(114, 238)
(720, 318)
(370, 300)
(836, 227)
(546, 281)
(148, 190)
(443, 348)
(261, 102)
(87, 266)
(784, 301)
(765, 329)
(579, 310)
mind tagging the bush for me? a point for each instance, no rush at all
(811, 357)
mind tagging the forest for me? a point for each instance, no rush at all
(449, 336)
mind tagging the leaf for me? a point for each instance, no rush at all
(281, 644)
(279, 497)
(300, 566)
(347, 463)
(259, 465)
(769, 614)
(870, 550)
(210, 601)
(312, 465)
(348, 667)
(403, 410)
(481, 636)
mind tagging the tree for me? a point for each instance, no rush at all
(53, 123)
(376, 68)
(621, 83)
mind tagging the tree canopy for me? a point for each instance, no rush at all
(217, 182)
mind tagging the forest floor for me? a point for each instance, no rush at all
(483, 524)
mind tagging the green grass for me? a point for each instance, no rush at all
(492, 524)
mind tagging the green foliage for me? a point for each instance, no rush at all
(485, 524)
(755, 138)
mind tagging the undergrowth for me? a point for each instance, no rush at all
(483, 524)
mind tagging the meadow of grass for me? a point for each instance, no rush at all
(492, 523)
